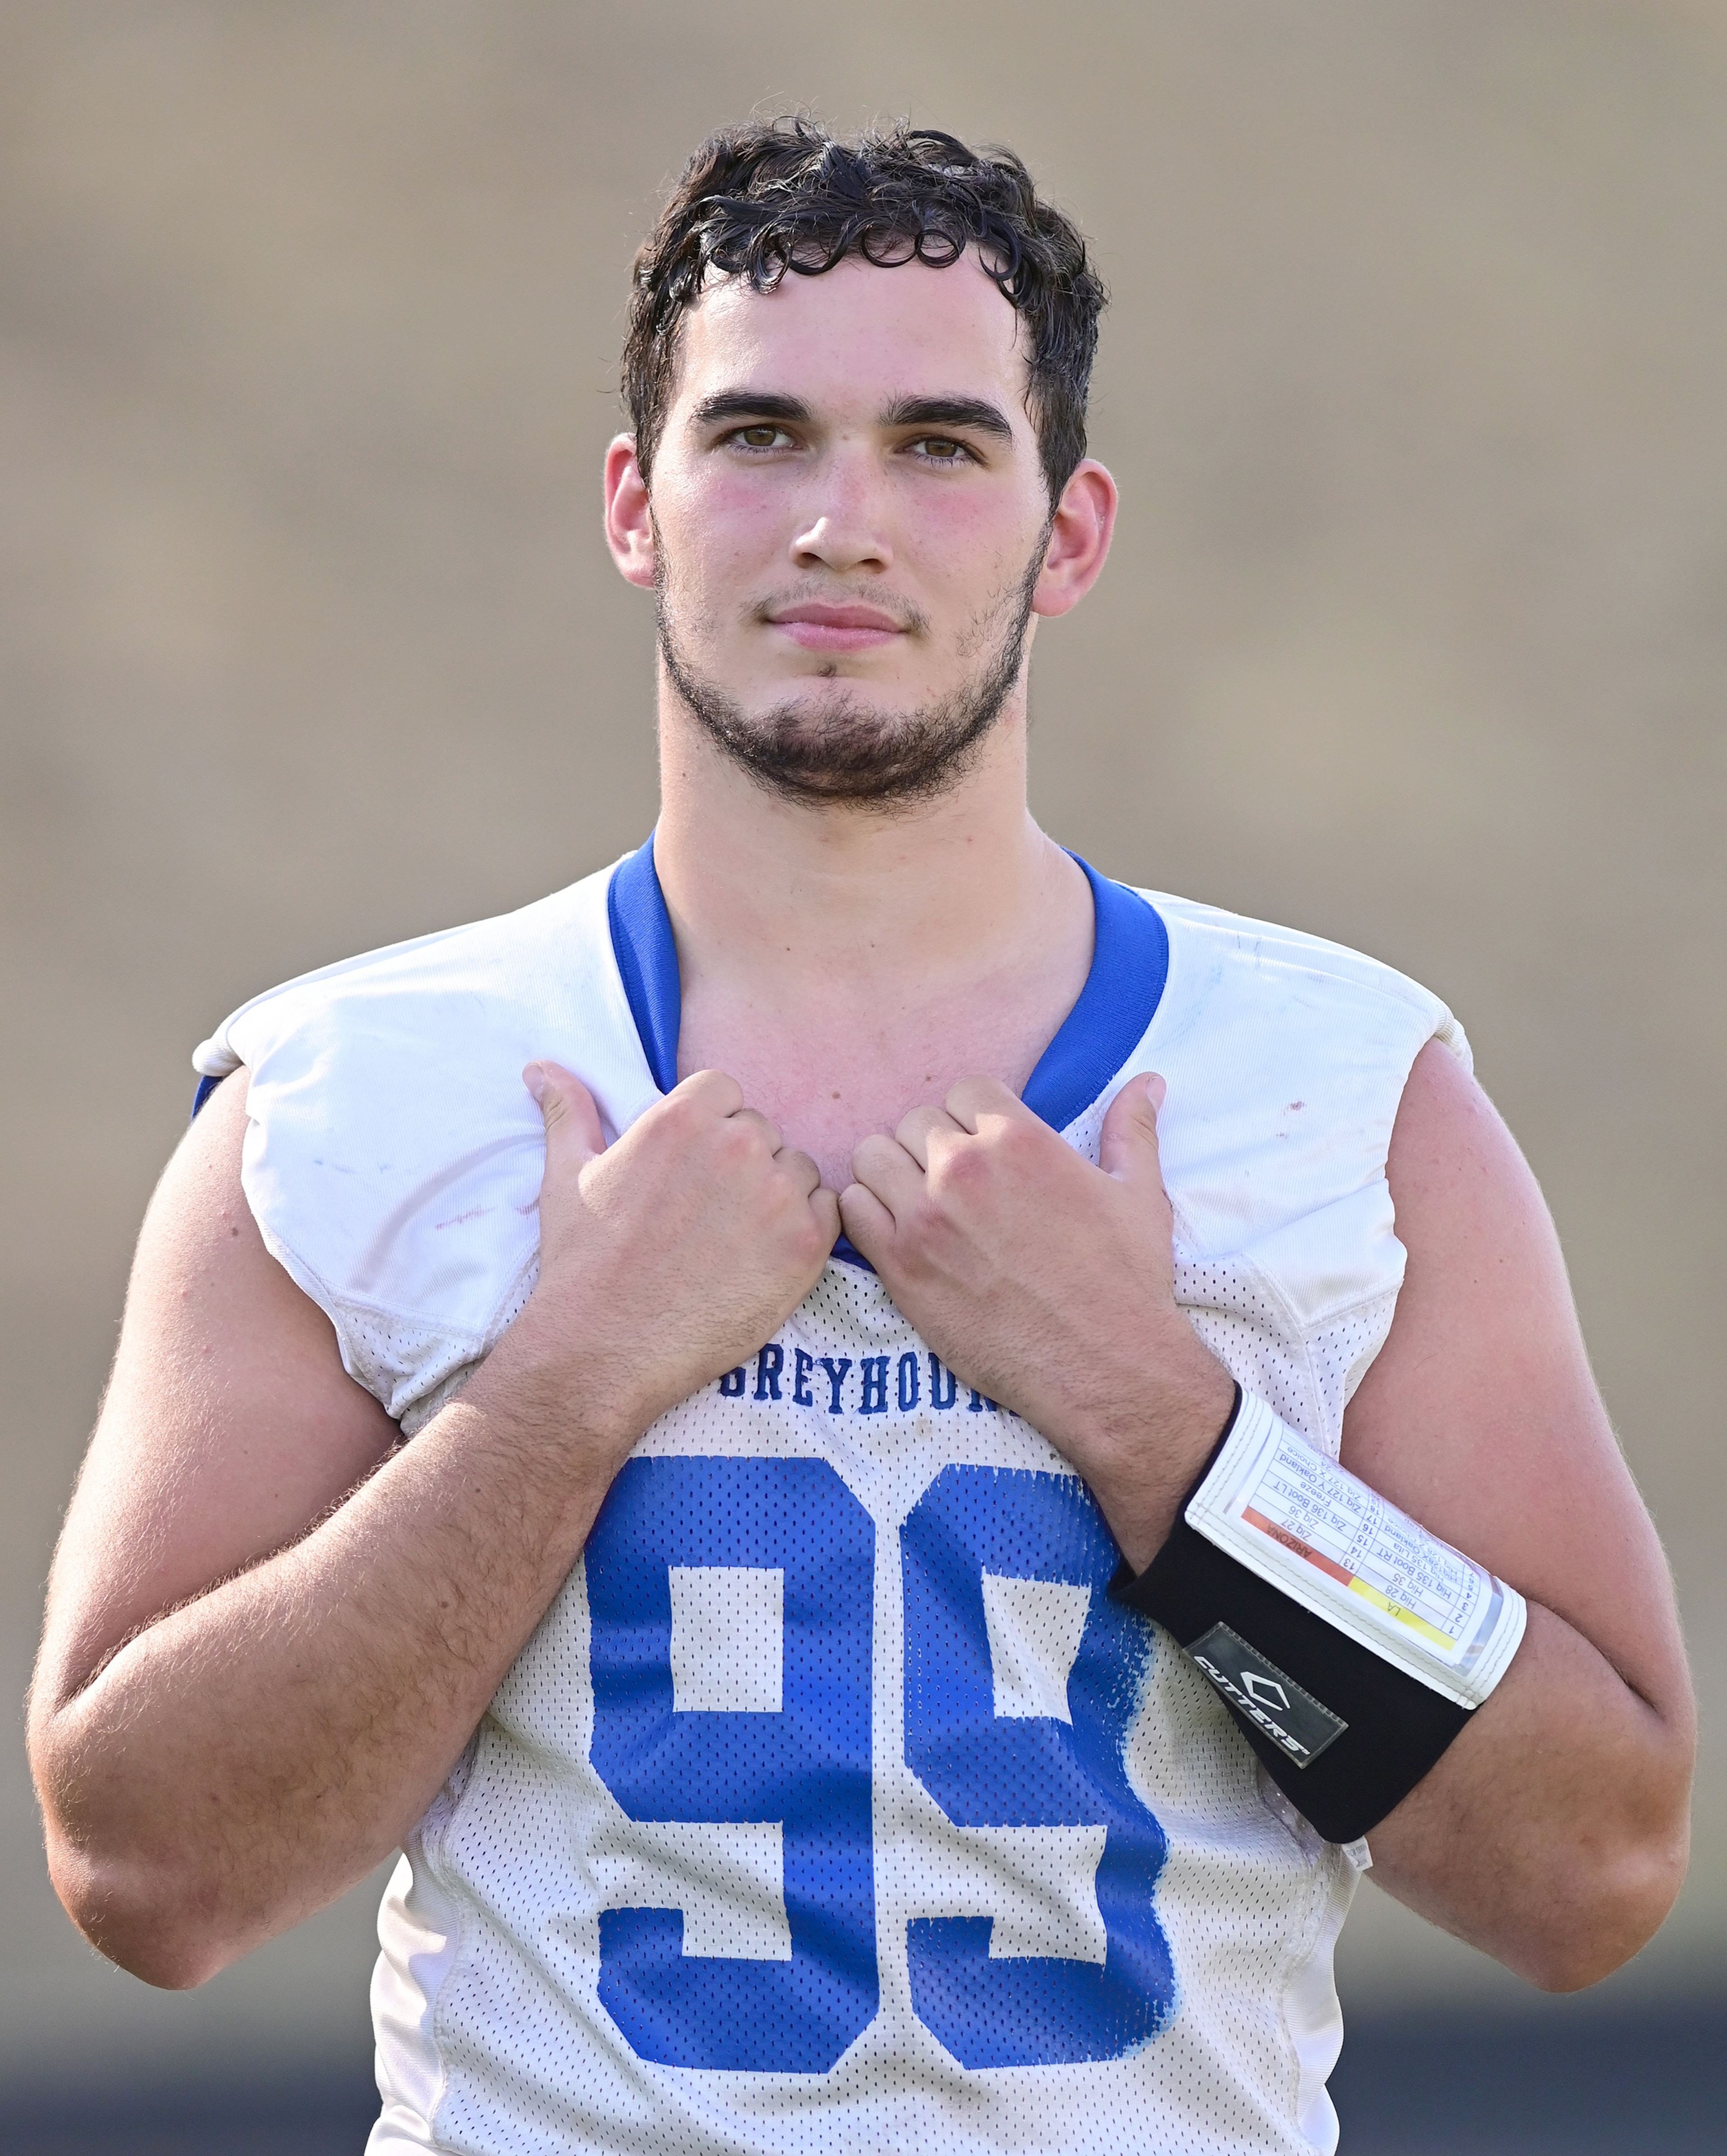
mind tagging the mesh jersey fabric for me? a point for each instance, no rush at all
(831, 1804)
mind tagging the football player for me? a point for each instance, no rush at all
(890, 1463)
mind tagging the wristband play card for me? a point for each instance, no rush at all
(1311, 1529)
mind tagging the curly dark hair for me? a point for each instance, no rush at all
(757, 201)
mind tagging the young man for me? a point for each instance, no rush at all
(732, 1507)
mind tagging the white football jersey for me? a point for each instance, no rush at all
(834, 1806)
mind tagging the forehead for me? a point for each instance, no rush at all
(857, 334)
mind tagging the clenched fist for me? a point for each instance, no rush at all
(668, 1257)
(1048, 1284)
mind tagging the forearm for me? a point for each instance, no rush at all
(1553, 1833)
(250, 1684)
(246, 1758)
(1547, 1826)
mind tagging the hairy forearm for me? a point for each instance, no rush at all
(1553, 1833)
(243, 1758)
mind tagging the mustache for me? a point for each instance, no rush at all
(910, 619)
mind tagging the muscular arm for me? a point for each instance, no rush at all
(1553, 1833)
(272, 1629)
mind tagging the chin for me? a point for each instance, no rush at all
(827, 679)
(828, 735)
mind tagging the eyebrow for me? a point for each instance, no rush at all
(750, 404)
(972, 412)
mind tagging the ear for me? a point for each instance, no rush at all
(629, 522)
(1080, 532)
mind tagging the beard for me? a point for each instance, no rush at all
(826, 745)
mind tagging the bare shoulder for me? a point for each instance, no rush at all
(1480, 1415)
(229, 1425)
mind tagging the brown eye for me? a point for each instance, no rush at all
(760, 437)
(940, 450)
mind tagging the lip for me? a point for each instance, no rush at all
(818, 628)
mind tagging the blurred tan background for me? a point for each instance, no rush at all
(1416, 382)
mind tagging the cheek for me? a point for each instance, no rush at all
(725, 511)
(725, 529)
(968, 540)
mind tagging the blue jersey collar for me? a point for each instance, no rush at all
(1130, 960)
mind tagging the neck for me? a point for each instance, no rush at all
(845, 965)
(756, 886)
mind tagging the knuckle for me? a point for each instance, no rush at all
(923, 1225)
(964, 1170)
(925, 1228)
(679, 1113)
(979, 1096)
(1019, 1140)
(739, 1142)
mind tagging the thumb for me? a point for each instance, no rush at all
(573, 1133)
(1127, 1144)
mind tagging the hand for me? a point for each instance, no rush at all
(668, 1257)
(1049, 1285)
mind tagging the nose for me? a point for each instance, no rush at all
(846, 534)
(841, 544)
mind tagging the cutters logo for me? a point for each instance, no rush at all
(1297, 1723)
